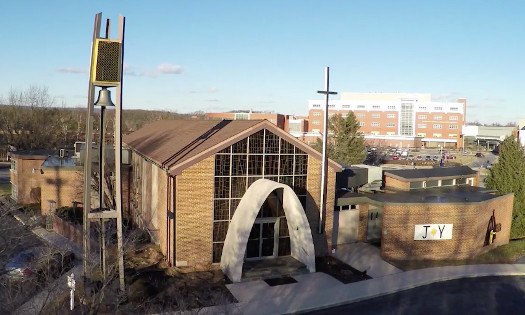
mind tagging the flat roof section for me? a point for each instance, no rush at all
(452, 194)
(434, 173)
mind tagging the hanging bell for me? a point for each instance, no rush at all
(104, 98)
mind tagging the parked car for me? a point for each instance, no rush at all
(40, 262)
(395, 157)
(480, 155)
(435, 158)
(411, 157)
(428, 158)
(419, 157)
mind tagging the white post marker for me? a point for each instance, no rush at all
(71, 284)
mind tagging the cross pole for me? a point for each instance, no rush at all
(324, 170)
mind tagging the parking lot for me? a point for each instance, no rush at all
(14, 237)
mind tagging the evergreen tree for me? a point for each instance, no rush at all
(508, 176)
(346, 143)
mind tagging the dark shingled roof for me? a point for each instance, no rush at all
(178, 144)
(437, 172)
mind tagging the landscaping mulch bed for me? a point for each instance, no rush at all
(339, 270)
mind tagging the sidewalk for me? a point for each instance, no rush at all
(316, 291)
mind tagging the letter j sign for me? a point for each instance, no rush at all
(432, 232)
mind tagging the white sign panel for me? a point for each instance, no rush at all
(432, 232)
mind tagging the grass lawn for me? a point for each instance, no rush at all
(505, 254)
(5, 189)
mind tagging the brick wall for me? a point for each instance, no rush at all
(322, 242)
(27, 181)
(194, 215)
(61, 186)
(395, 183)
(363, 222)
(470, 222)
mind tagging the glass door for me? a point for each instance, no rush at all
(261, 242)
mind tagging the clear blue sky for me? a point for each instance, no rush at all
(186, 56)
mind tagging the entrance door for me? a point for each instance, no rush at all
(261, 242)
(375, 220)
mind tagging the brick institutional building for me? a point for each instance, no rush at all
(218, 193)
(433, 214)
(396, 119)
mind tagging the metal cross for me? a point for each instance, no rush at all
(324, 169)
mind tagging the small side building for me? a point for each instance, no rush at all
(430, 214)
(25, 175)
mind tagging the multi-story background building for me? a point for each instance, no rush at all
(398, 119)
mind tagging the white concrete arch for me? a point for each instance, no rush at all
(301, 243)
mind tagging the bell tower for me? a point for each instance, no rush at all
(105, 75)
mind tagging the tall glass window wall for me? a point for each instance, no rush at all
(261, 155)
(407, 119)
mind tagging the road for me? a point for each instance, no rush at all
(482, 295)
(4, 172)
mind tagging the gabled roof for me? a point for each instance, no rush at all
(431, 173)
(177, 144)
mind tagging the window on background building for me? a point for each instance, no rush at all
(361, 124)
(452, 135)
(331, 106)
(316, 122)
(13, 165)
(376, 115)
(261, 155)
(344, 115)
(390, 133)
(375, 124)
(438, 108)
(406, 119)
(360, 106)
(14, 191)
(454, 109)
(422, 126)
(432, 183)
(374, 133)
(391, 107)
(421, 116)
(360, 115)
(416, 185)
(346, 106)
(447, 182)
(316, 114)
(241, 116)
(453, 127)
(461, 181)
(421, 134)
(330, 114)
(453, 117)
(390, 125)
(437, 117)
(436, 126)
(376, 107)
(436, 135)
(390, 115)
(422, 108)
(316, 105)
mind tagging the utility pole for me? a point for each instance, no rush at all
(324, 165)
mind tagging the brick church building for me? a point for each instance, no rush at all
(217, 193)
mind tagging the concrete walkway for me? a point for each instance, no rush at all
(318, 290)
(365, 257)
